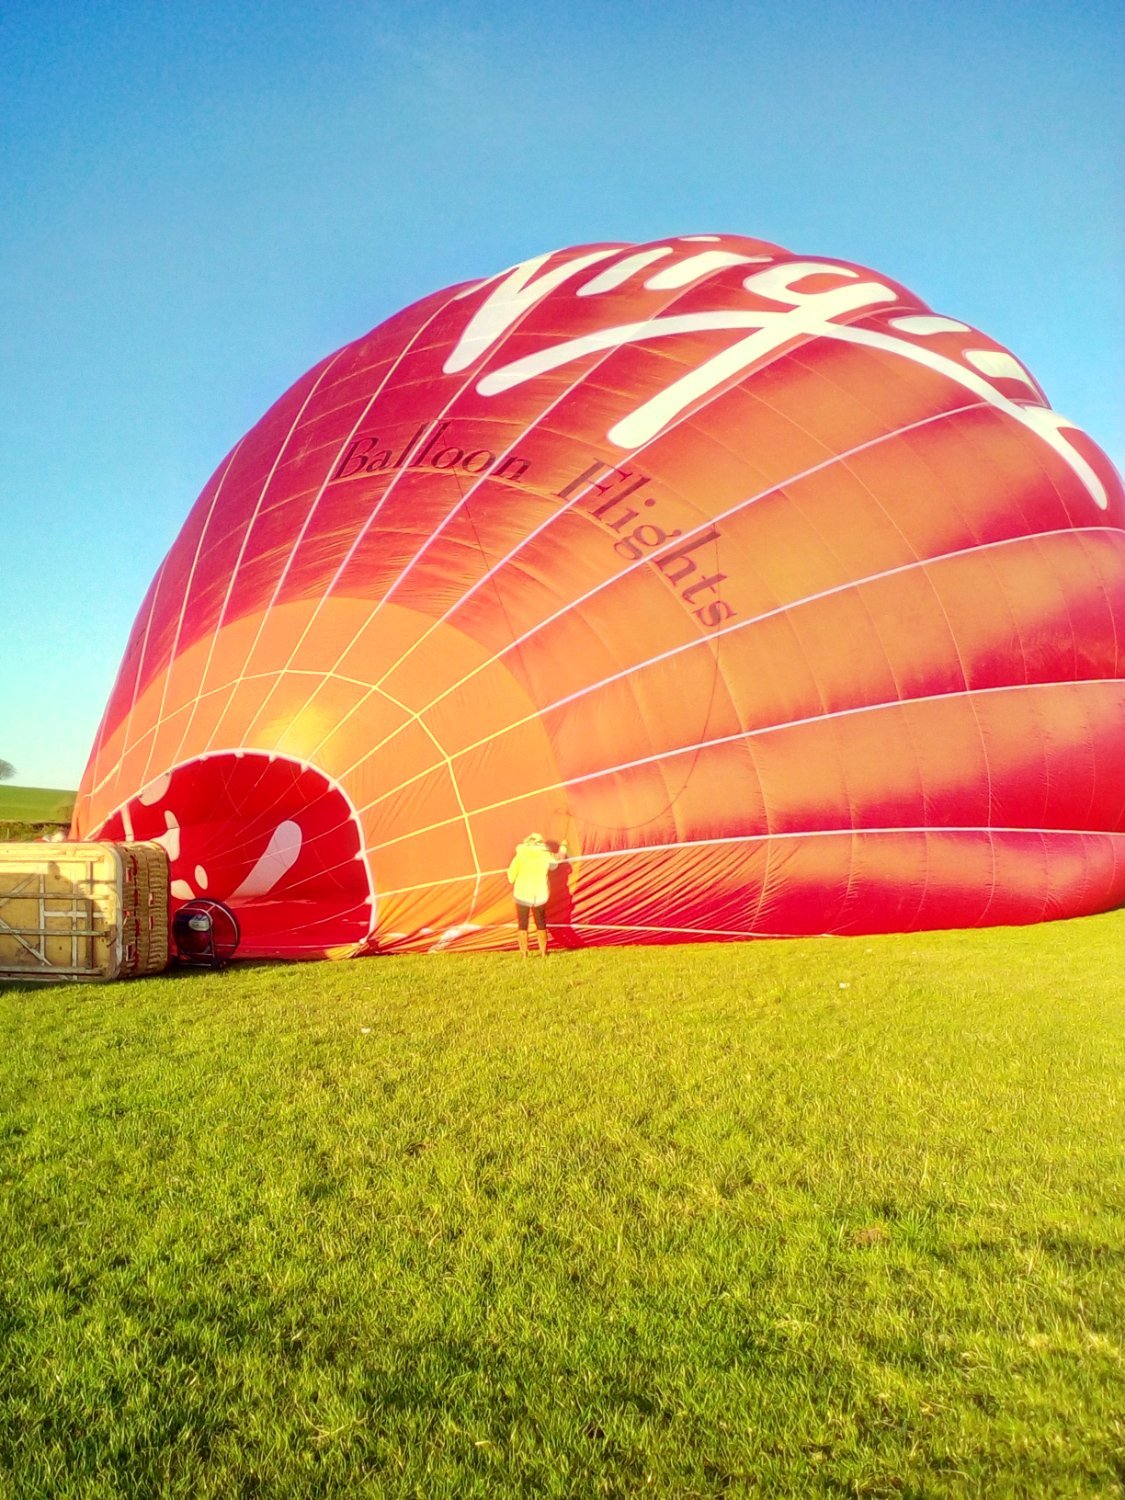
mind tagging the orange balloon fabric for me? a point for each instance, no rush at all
(789, 605)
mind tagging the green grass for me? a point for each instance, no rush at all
(28, 811)
(837, 1217)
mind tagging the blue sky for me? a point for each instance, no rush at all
(200, 201)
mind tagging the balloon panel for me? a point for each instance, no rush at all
(789, 604)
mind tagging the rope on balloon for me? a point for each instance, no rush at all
(564, 812)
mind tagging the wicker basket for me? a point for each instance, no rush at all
(82, 910)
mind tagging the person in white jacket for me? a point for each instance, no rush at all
(528, 873)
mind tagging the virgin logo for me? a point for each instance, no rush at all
(796, 313)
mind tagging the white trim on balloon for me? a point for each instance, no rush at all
(705, 642)
(616, 578)
(760, 732)
(727, 840)
(314, 386)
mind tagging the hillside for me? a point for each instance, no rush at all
(31, 812)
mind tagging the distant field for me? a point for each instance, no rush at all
(35, 804)
(836, 1217)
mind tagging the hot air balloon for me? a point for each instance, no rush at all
(790, 605)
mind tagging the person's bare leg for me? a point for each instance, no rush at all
(541, 939)
(522, 939)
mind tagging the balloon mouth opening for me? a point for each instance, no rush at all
(272, 837)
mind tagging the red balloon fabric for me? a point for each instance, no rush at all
(788, 604)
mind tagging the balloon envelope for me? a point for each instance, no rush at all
(788, 604)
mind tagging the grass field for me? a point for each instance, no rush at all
(837, 1217)
(26, 811)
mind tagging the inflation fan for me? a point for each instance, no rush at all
(206, 934)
